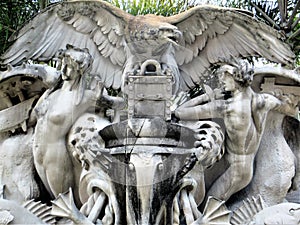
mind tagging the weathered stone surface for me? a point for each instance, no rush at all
(274, 165)
(169, 141)
(17, 170)
(19, 214)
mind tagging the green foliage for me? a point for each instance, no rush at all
(283, 15)
(13, 14)
(157, 7)
(241, 4)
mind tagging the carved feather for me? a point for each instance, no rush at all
(113, 36)
(90, 24)
(224, 33)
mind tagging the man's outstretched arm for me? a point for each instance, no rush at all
(191, 111)
(285, 104)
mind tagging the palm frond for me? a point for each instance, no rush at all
(283, 15)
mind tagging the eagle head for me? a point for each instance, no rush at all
(153, 30)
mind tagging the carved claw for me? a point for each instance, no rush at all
(64, 206)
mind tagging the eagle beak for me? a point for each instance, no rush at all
(175, 37)
(170, 33)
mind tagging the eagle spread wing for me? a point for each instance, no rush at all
(95, 25)
(212, 34)
(209, 35)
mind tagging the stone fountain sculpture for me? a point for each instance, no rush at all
(154, 153)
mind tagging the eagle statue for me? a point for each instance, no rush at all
(187, 43)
